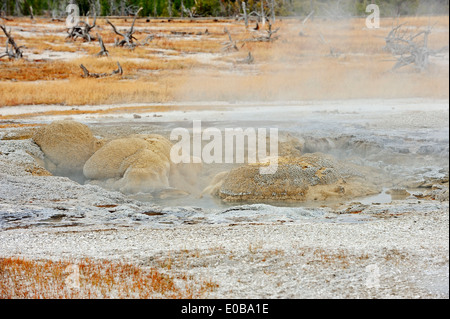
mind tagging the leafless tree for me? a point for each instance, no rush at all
(310, 15)
(82, 30)
(104, 51)
(231, 44)
(128, 37)
(269, 35)
(410, 48)
(13, 52)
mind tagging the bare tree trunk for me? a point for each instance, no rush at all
(31, 14)
(128, 38)
(244, 9)
(112, 8)
(104, 51)
(273, 10)
(230, 45)
(83, 29)
(122, 8)
(263, 15)
(169, 8)
(17, 9)
(16, 52)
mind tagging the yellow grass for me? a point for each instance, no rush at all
(84, 92)
(292, 67)
(27, 279)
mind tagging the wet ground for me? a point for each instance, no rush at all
(405, 139)
(403, 230)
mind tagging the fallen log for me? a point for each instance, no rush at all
(248, 60)
(88, 74)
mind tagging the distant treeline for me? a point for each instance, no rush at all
(223, 8)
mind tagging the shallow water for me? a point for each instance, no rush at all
(407, 139)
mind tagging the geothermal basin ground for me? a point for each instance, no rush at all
(392, 244)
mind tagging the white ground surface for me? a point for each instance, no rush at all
(389, 249)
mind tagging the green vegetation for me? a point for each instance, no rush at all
(174, 8)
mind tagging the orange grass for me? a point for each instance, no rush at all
(16, 125)
(114, 110)
(27, 279)
(292, 67)
(84, 92)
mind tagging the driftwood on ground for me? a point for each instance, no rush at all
(410, 48)
(248, 60)
(269, 35)
(334, 52)
(302, 32)
(82, 30)
(4, 17)
(13, 51)
(128, 37)
(104, 51)
(229, 45)
(88, 74)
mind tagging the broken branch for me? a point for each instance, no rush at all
(88, 74)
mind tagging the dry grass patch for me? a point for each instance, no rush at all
(84, 92)
(24, 71)
(86, 279)
(292, 67)
(188, 45)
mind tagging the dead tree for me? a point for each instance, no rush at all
(15, 52)
(270, 33)
(335, 53)
(244, 11)
(82, 30)
(190, 12)
(3, 16)
(261, 16)
(269, 36)
(272, 9)
(410, 48)
(104, 51)
(302, 33)
(248, 60)
(128, 37)
(148, 39)
(31, 14)
(88, 74)
(230, 45)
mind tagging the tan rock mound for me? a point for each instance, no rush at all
(67, 145)
(289, 145)
(135, 164)
(309, 177)
(110, 161)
